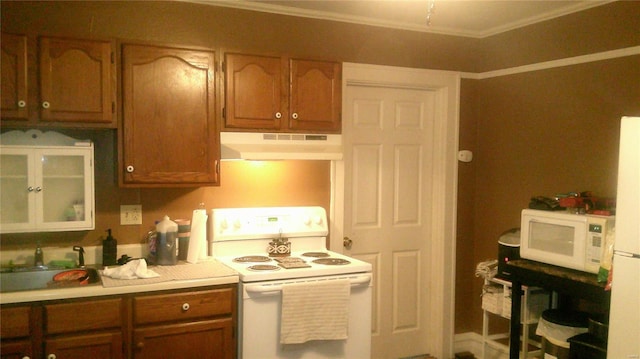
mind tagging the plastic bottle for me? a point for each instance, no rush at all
(166, 242)
(38, 261)
(109, 250)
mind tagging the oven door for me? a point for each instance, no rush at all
(259, 322)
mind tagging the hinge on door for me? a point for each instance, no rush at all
(224, 112)
(223, 66)
(113, 107)
(113, 60)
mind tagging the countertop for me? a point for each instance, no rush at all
(559, 279)
(210, 273)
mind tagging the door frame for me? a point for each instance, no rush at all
(444, 191)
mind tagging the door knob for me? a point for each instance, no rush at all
(347, 242)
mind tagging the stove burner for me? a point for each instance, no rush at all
(316, 254)
(331, 261)
(247, 259)
(263, 267)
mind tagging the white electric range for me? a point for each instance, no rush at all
(271, 247)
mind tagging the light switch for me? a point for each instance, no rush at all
(130, 214)
(465, 156)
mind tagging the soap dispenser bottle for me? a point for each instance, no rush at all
(109, 250)
(38, 256)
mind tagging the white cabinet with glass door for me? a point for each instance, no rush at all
(46, 182)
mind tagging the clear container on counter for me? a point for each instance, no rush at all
(166, 242)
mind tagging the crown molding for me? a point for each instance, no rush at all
(363, 20)
(569, 61)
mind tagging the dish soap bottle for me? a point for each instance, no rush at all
(109, 250)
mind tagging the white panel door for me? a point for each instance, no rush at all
(397, 208)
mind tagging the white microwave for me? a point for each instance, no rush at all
(568, 240)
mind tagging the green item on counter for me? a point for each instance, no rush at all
(63, 263)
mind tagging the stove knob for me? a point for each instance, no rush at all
(237, 224)
(306, 220)
(318, 220)
(224, 224)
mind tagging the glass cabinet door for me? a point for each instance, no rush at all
(46, 189)
(63, 187)
(17, 189)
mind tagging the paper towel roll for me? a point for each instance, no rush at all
(198, 239)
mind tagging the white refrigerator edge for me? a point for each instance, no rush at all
(624, 314)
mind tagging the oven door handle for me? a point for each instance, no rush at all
(267, 288)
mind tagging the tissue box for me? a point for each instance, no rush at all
(492, 301)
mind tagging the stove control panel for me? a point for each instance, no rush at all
(268, 222)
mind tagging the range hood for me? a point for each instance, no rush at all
(280, 146)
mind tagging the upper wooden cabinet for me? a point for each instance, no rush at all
(76, 80)
(282, 95)
(169, 135)
(76, 85)
(14, 77)
(315, 96)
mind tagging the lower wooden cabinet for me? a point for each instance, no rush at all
(199, 323)
(96, 346)
(207, 339)
(20, 349)
(15, 332)
(185, 325)
(83, 329)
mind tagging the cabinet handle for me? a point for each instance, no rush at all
(185, 307)
(30, 189)
(26, 357)
(38, 189)
(130, 169)
(46, 104)
(22, 104)
(51, 356)
(294, 115)
(140, 345)
(278, 115)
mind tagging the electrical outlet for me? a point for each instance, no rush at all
(130, 214)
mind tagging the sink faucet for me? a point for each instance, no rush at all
(80, 251)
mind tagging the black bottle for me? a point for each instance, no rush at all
(109, 250)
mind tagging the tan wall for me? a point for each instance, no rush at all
(544, 133)
(535, 133)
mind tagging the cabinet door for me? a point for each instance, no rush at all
(254, 95)
(18, 194)
(211, 339)
(94, 346)
(20, 349)
(15, 322)
(76, 81)
(15, 332)
(14, 77)
(316, 96)
(66, 179)
(46, 189)
(169, 132)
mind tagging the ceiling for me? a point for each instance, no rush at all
(470, 18)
